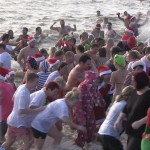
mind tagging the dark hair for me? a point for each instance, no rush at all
(43, 51)
(5, 36)
(58, 53)
(84, 58)
(31, 76)
(109, 23)
(61, 65)
(147, 50)
(2, 46)
(32, 62)
(115, 50)
(123, 47)
(134, 54)
(25, 28)
(80, 48)
(37, 28)
(141, 80)
(102, 52)
(94, 45)
(52, 85)
(99, 39)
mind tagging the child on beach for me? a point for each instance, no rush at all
(55, 111)
(107, 134)
(19, 120)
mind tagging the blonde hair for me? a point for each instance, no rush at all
(52, 51)
(60, 81)
(126, 92)
(73, 95)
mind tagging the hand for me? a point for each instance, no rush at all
(81, 128)
(136, 125)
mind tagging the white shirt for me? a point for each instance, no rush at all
(38, 98)
(52, 76)
(107, 127)
(53, 113)
(21, 101)
(5, 59)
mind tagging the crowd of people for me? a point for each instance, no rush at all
(98, 86)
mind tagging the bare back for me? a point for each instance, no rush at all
(76, 76)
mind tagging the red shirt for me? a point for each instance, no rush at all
(7, 91)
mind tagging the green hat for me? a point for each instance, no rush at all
(120, 60)
(87, 47)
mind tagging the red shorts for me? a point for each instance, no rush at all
(18, 132)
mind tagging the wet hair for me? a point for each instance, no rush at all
(126, 92)
(52, 85)
(84, 58)
(5, 36)
(25, 28)
(102, 52)
(2, 46)
(61, 65)
(37, 28)
(58, 53)
(80, 48)
(147, 50)
(141, 80)
(31, 77)
(73, 95)
(134, 54)
(109, 23)
(115, 50)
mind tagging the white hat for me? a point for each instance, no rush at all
(138, 63)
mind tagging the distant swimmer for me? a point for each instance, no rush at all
(63, 29)
(125, 19)
(39, 35)
(98, 13)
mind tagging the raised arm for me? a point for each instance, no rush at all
(74, 28)
(54, 28)
(122, 19)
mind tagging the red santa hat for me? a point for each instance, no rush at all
(129, 30)
(30, 39)
(3, 73)
(39, 57)
(10, 72)
(102, 70)
(53, 61)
